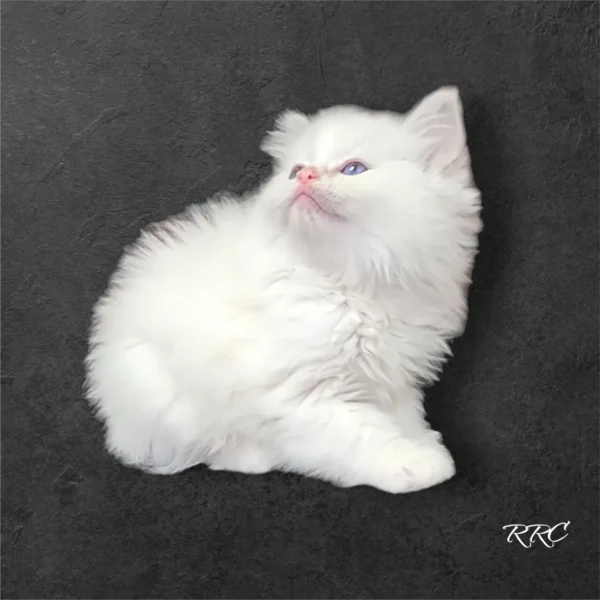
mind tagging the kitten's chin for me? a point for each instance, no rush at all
(311, 205)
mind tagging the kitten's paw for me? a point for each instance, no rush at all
(245, 458)
(417, 467)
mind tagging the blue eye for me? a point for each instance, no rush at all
(353, 168)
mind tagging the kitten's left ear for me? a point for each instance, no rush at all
(288, 127)
(438, 122)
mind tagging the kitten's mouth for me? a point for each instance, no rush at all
(307, 201)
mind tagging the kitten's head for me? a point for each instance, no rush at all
(375, 192)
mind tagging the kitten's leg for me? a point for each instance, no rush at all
(150, 424)
(243, 456)
(357, 444)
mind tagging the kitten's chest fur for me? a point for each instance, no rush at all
(368, 339)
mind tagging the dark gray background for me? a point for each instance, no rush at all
(116, 114)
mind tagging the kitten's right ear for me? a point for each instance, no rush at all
(288, 126)
(438, 122)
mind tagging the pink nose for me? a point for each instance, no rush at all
(306, 175)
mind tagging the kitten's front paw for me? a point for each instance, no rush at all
(417, 467)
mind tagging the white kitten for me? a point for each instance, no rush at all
(293, 330)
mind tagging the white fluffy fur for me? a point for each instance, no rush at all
(255, 334)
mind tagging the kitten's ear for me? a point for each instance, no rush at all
(438, 121)
(288, 126)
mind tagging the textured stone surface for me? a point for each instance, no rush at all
(116, 114)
